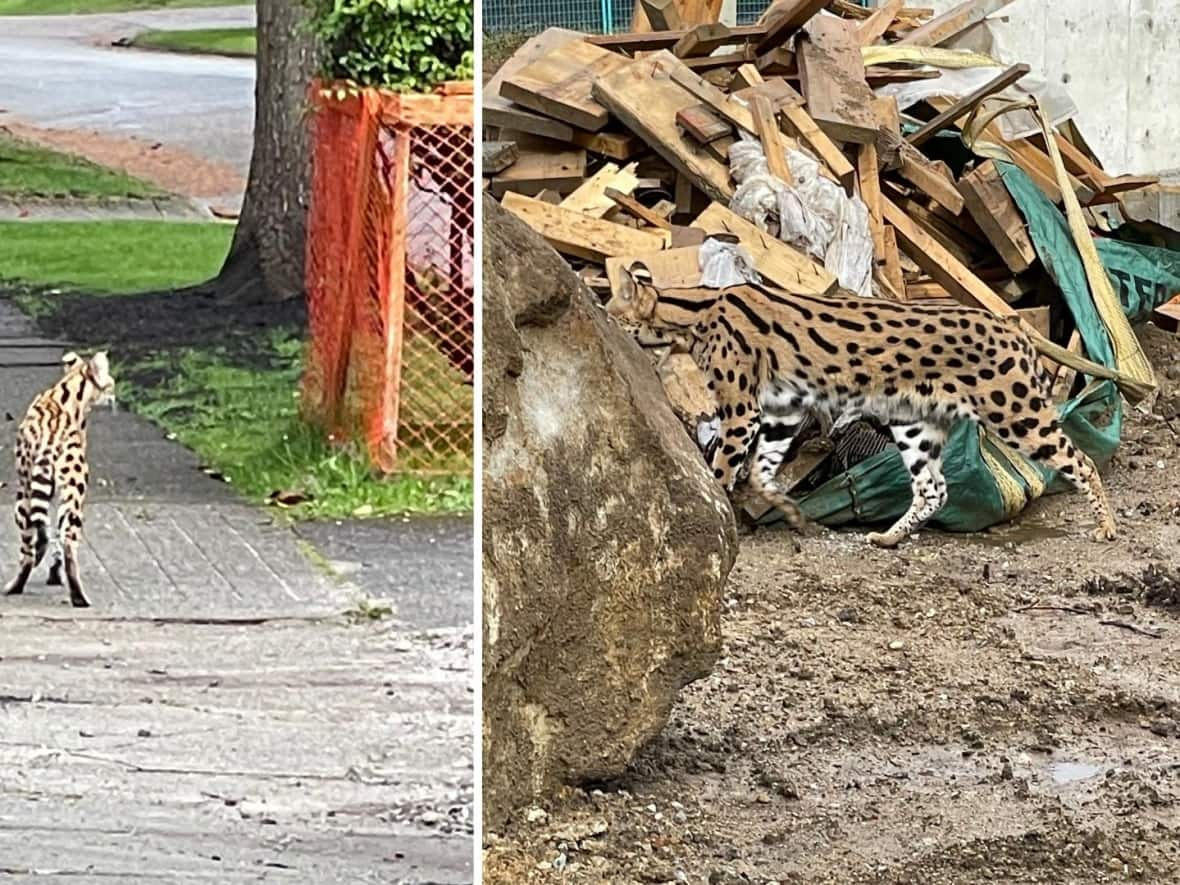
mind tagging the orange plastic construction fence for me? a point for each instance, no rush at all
(391, 276)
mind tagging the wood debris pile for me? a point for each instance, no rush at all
(617, 148)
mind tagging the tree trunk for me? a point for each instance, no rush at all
(265, 261)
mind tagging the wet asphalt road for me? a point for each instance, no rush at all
(61, 72)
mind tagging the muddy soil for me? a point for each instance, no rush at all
(1001, 707)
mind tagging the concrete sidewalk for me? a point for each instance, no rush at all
(217, 715)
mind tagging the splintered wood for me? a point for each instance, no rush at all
(617, 148)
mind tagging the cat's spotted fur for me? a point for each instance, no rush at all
(771, 357)
(51, 460)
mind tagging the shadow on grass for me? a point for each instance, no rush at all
(223, 378)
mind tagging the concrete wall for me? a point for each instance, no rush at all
(1119, 59)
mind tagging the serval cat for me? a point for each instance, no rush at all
(51, 459)
(772, 358)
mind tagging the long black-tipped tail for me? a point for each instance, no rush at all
(41, 488)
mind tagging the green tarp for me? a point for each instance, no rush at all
(987, 485)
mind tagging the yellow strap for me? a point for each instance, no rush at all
(926, 55)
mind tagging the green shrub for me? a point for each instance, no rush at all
(405, 45)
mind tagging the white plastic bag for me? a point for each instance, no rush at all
(725, 264)
(814, 214)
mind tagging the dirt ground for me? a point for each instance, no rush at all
(171, 169)
(1002, 707)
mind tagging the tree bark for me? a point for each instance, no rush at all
(265, 261)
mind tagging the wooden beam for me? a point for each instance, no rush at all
(892, 269)
(870, 193)
(614, 145)
(783, 265)
(992, 207)
(643, 42)
(498, 156)
(873, 28)
(771, 137)
(590, 197)
(702, 124)
(702, 40)
(662, 15)
(931, 178)
(541, 168)
(572, 233)
(635, 208)
(967, 103)
(827, 150)
(832, 74)
(955, 21)
(520, 120)
(785, 18)
(647, 105)
(559, 84)
(940, 264)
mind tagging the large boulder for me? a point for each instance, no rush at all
(606, 543)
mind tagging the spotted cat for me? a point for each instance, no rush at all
(772, 357)
(51, 459)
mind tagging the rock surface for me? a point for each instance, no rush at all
(606, 542)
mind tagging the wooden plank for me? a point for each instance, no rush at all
(1064, 379)
(644, 42)
(967, 103)
(684, 194)
(875, 76)
(779, 263)
(590, 197)
(670, 269)
(725, 60)
(702, 40)
(648, 105)
(892, 267)
(637, 209)
(808, 131)
(992, 207)
(537, 169)
(870, 193)
(779, 60)
(729, 109)
(772, 143)
(941, 265)
(746, 76)
(572, 233)
(938, 30)
(1167, 315)
(833, 78)
(702, 124)
(777, 89)
(785, 18)
(931, 178)
(559, 84)
(873, 28)
(508, 116)
(614, 145)
(1037, 317)
(498, 156)
(662, 15)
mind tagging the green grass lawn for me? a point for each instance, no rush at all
(203, 41)
(114, 257)
(239, 414)
(244, 423)
(70, 7)
(27, 169)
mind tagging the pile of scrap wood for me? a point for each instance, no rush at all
(619, 147)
